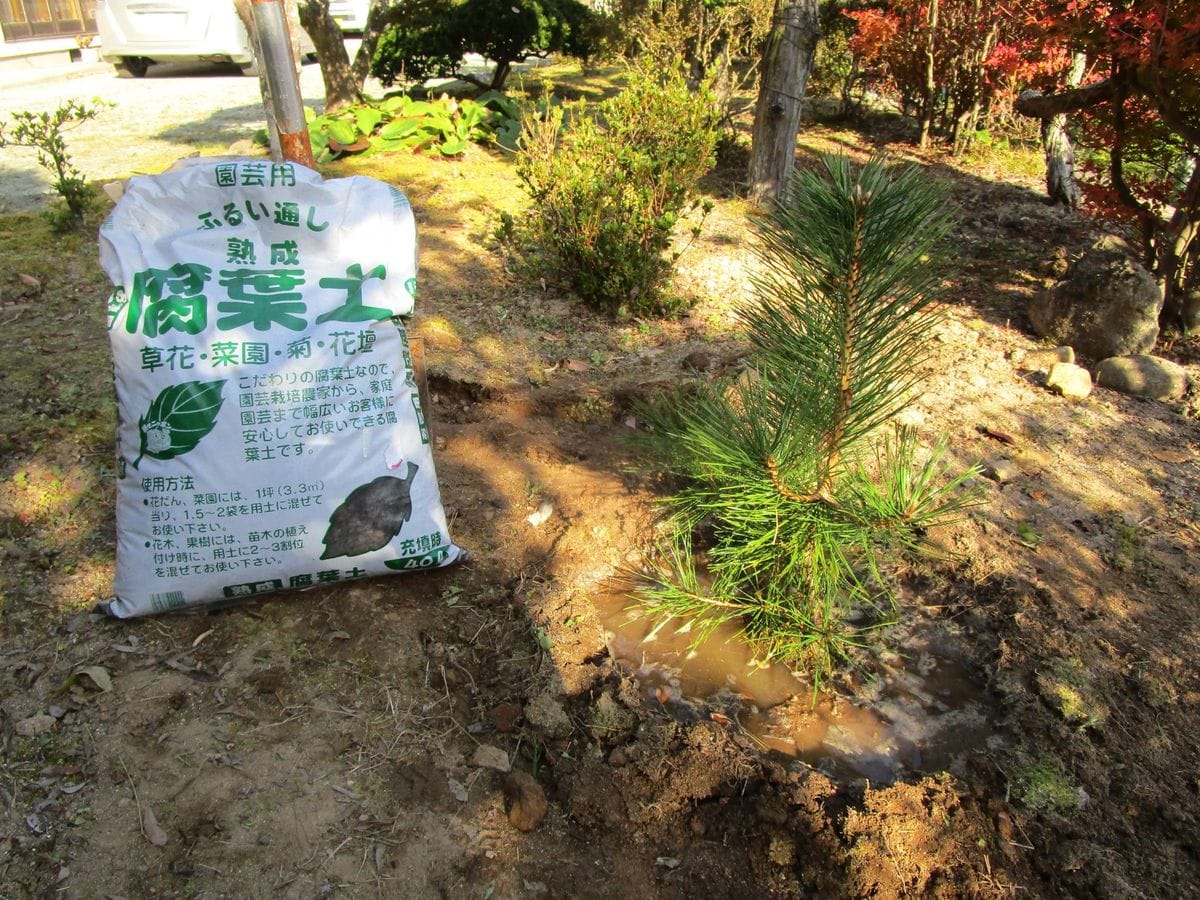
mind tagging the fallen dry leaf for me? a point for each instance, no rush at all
(1003, 436)
(1171, 456)
(150, 827)
(357, 146)
(97, 675)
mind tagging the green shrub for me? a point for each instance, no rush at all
(792, 477)
(43, 132)
(609, 191)
(432, 42)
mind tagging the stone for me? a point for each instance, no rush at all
(910, 417)
(544, 712)
(489, 757)
(1143, 376)
(1106, 305)
(539, 516)
(610, 720)
(1057, 264)
(771, 811)
(1191, 311)
(1043, 360)
(1069, 380)
(525, 801)
(35, 725)
(1002, 471)
(504, 717)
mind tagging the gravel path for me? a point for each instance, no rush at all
(174, 111)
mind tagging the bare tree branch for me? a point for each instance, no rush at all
(1037, 105)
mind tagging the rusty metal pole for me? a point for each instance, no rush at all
(279, 66)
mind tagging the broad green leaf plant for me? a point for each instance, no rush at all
(796, 487)
(404, 124)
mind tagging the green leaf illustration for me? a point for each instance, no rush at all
(179, 418)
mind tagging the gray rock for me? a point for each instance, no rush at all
(1070, 380)
(1043, 360)
(1143, 376)
(1002, 471)
(1107, 305)
(489, 757)
(545, 713)
(34, 725)
(1191, 311)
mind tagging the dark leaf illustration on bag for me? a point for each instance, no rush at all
(180, 416)
(371, 516)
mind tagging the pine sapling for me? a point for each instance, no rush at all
(793, 478)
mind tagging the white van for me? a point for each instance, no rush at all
(350, 15)
(136, 33)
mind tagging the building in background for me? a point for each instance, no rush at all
(46, 32)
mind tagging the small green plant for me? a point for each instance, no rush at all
(1042, 785)
(402, 123)
(608, 192)
(1127, 543)
(792, 479)
(43, 132)
(1068, 685)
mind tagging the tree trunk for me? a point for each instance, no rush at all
(787, 59)
(929, 89)
(1170, 243)
(341, 88)
(1178, 257)
(500, 74)
(1056, 144)
(343, 78)
(966, 120)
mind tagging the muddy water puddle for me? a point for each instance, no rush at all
(919, 712)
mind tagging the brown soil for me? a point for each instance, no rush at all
(328, 743)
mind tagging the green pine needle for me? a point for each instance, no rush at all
(789, 474)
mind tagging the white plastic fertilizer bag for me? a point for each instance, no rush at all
(270, 431)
